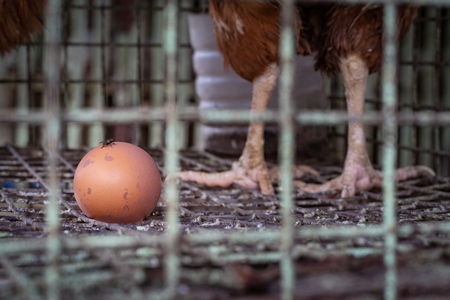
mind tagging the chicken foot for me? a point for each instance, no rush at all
(358, 173)
(250, 170)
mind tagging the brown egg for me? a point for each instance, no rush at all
(117, 183)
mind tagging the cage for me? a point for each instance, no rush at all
(123, 69)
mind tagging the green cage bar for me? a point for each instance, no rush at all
(172, 260)
(52, 137)
(286, 252)
(286, 148)
(389, 154)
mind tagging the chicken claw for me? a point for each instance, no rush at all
(359, 173)
(357, 177)
(251, 178)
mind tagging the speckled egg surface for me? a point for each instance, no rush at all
(117, 183)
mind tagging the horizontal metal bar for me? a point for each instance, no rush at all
(114, 44)
(192, 113)
(138, 6)
(152, 7)
(85, 81)
(411, 2)
(208, 237)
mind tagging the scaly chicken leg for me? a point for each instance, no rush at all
(358, 173)
(251, 170)
(247, 34)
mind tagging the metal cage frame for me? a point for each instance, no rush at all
(53, 244)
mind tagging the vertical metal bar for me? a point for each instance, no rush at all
(286, 147)
(172, 260)
(389, 92)
(32, 57)
(445, 104)
(76, 64)
(106, 53)
(97, 130)
(140, 92)
(185, 90)
(437, 145)
(6, 130)
(125, 67)
(425, 82)
(406, 78)
(417, 41)
(22, 133)
(52, 133)
(155, 133)
(133, 71)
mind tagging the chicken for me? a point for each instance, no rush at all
(347, 40)
(19, 19)
(247, 34)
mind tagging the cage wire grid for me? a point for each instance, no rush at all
(212, 243)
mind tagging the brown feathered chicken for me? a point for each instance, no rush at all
(247, 34)
(347, 40)
(19, 19)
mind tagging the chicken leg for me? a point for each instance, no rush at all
(358, 173)
(250, 170)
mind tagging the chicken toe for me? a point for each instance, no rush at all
(361, 177)
(251, 170)
(358, 174)
(249, 177)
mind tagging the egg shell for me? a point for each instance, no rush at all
(117, 183)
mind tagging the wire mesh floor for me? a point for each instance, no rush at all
(331, 268)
